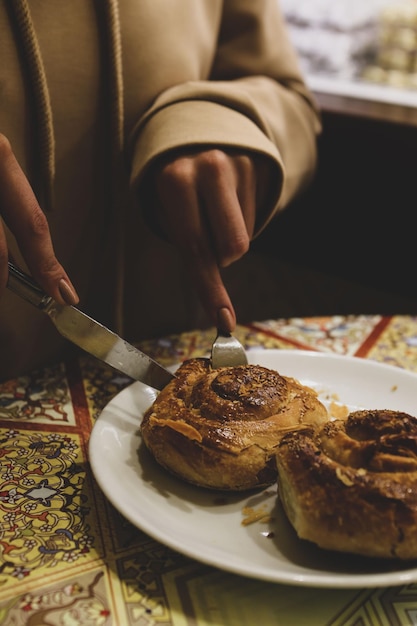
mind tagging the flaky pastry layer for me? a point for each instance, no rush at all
(351, 485)
(220, 428)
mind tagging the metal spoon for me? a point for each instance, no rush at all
(227, 351)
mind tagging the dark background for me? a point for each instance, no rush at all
(348, 244)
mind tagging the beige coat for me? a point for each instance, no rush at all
(137, 78)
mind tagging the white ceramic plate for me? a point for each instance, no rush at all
(206, 525)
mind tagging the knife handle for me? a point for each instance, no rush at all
(25, 287)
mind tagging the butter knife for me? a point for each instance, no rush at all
(90, 335)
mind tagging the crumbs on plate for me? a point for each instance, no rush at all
(255, 515)
(340, 411)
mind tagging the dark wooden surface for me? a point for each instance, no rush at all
(394, 113)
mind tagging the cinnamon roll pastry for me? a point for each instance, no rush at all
(220, 428)
(351, 485)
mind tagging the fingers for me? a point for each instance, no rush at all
(187, 229)
(214, 194)
(227, 191)
(205, 275)
(206, 207)
(25, 219)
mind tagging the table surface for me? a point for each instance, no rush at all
(366, 100)
(68, 557)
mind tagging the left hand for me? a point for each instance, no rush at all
(206, 206)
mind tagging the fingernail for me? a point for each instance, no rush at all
(225, 321)
(67, 292)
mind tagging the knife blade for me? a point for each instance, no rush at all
(89, 334)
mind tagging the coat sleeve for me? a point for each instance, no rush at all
(255, 99)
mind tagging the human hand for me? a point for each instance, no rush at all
(22, 214)
(206, 206)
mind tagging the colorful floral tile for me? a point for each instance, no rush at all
(339, 334)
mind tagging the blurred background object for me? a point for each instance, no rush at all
(361, 40)
(334, 36)
(395, 60)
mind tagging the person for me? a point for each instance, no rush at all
(143, 146)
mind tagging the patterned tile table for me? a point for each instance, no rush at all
(68, 557)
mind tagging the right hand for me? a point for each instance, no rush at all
(22, 214)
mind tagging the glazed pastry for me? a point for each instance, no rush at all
(220, 428)
(351, 485)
